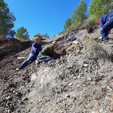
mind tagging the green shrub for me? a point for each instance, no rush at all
(92, 21)
(62, 32)
(22, 33)
(42, 36)
(38, 35)
(96, 50)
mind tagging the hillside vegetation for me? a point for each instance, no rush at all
(80, 19)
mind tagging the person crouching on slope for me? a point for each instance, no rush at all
(106, 23)
(36, 48)
(49, 53)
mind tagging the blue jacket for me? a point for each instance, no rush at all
(105, 18)
(36, 48)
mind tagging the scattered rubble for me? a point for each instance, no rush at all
(81, 81)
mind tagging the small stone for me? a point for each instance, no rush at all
(70, 84)
(100, 38)
(75, 98)
(22, 103)
(98, 97)
(28, 90)
(93, 112)
(89, 78)
(84, 110)
(8, 104)
(109, 88)
(11, 85)
(28, 81)
(85, 65)
(25, 99)
(29, 110)
(77, 71)
(12, 109)
(33, 77)
(19, 94)
(68, 96)
(9, 98)
(14, 91)
(8, 111)
(19, 58)
(17, 69)
(18, 111)
(78, 76)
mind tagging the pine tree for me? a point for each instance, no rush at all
(22, 33)
(79, 13)
(98, 8)
(6, 21)
(68, 23)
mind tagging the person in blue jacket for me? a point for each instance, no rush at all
(106, 24)
(36, 48)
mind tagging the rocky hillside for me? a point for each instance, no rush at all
(79, 82)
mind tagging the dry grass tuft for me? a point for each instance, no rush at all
(95, 49)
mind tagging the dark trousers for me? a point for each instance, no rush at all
(106, 28)
(43, 58)
(31, 58)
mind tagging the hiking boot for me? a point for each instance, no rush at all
(107, 38)
(105, 41)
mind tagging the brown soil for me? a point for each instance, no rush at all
(13, 46)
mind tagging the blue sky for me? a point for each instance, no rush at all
(44, 16)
